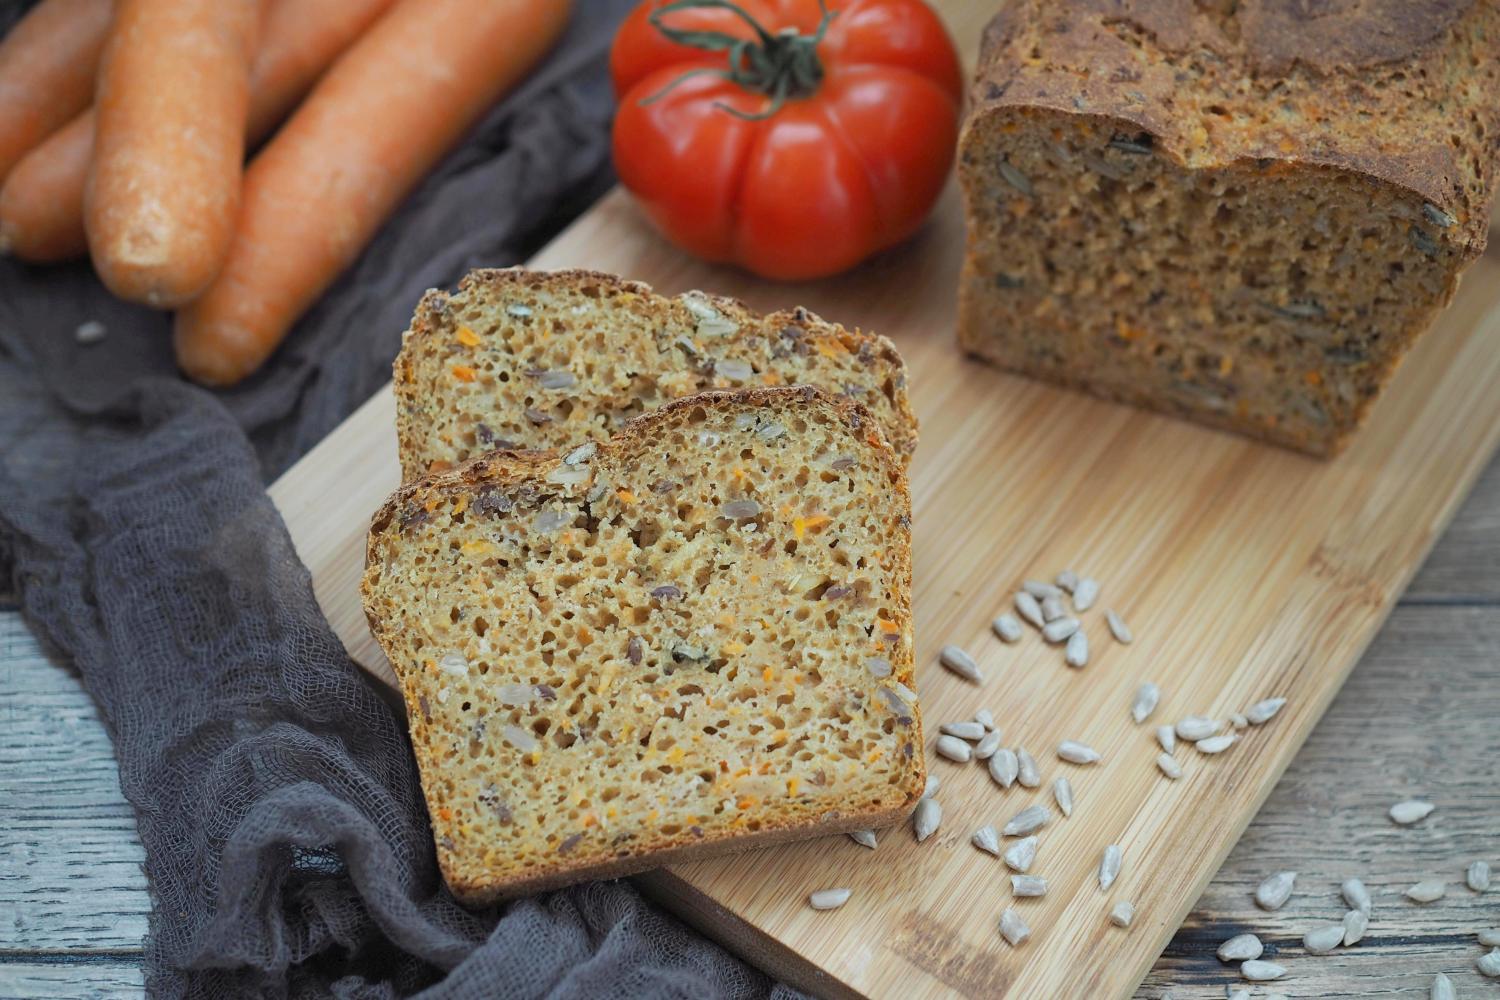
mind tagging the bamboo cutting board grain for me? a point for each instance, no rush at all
(1244, 571)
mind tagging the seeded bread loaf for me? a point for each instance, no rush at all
(693, 637)
(1240, 212)
(530, 359)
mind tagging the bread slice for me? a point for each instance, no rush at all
(533, 359)
(693, 637)
(1246, 214)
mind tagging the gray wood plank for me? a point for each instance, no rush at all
(70, 862)
(101, 980)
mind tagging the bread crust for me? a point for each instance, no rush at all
(1336, 58)
(473, 883)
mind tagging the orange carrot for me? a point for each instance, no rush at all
(41, 203)
(169, 144)
(381, 117)
(47, 67)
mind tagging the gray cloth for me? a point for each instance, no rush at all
(287, 843)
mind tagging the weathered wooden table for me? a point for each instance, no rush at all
(1419, 717)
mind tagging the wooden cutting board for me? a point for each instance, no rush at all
(1245, 572)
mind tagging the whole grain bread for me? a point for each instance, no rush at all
(532, 359)
(1240, 212)
(693, 637)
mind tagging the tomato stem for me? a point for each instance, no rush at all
(784, 66)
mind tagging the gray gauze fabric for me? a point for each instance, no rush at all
(287, 844)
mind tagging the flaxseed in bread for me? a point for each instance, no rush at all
(1244, 213)
(693, 637)
(531, 359)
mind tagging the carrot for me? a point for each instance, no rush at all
(381, 118)
(169, 142)
(47, 67)
(41, 203)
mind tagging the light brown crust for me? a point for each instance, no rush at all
(436, 415)
(470, 878)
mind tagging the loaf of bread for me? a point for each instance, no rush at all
(1240, 212)
(529, 359)
(692, 637)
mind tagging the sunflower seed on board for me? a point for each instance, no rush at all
(1085, 594)
(864, 838)
(1477, 877)
(1489, 964)
(1169, 766)
(1322, 940)
(1052, 608)
(1122, 913)
(963, 730)
(1442, 988)
(1411, 811)
(986, 839)
(1275, 890)
(1077, 653)
(1007, 628)
(1264, 711)
(1040, 589)
(1028, 885)
(1166, 737)
(1109, 866)
(1356, 922)
(1062, 792)
(1233, 994)
(1217, 744)
(1026, 769)
(1004, 767)
(1067, 580)
(1356, 895)
(1429, 891)
(1196, 727)
(1060, 629)
(1490, 938)
(1258, 971)
(1238, 721)
(1027, 821)
(985, 719)
(961, 663)
(1144, 702)
(986, 748)
(1077, 753)
(924, 822)
(955, 749)
(1029, 609)
(1020, 855)
(829, 899)
(1013, 928)
(1241, 948)
(930, 789)
(1118, 628)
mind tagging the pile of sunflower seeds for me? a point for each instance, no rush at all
(1044, 606)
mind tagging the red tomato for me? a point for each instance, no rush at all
(842, 140)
